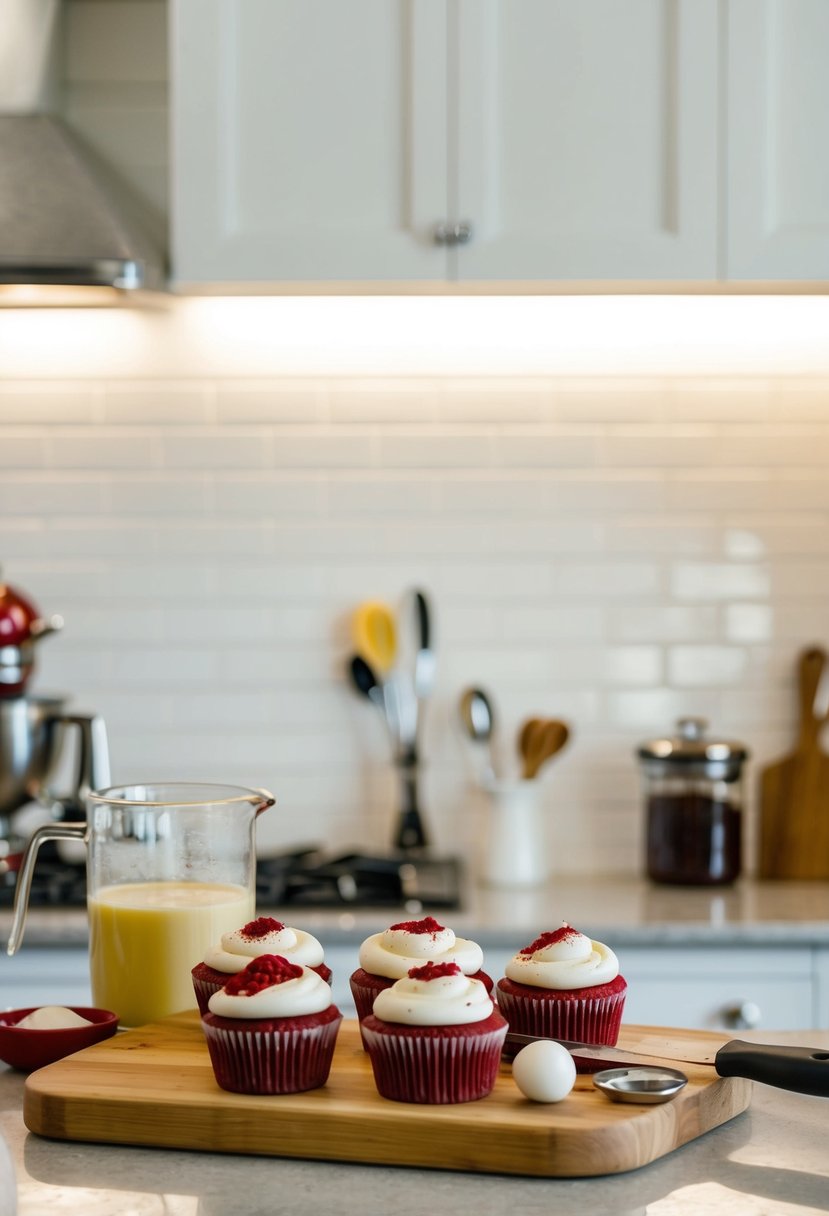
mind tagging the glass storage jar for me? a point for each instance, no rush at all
(693, 805)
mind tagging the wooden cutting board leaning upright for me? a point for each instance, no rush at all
(794, 791)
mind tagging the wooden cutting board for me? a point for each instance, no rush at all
(155, 1086)
(794, 792)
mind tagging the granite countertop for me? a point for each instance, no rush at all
(623, 910)
(770, 1159)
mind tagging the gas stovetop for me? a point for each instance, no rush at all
(307, 877)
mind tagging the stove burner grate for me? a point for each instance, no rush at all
(303, 877)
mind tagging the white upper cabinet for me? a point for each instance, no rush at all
(308, 140)
(778, 136)
(586, 141)
(416, 144)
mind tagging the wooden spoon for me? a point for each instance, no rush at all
(538, 741)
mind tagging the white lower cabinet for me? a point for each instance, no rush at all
(709, 987)
(45, 975)
(728, 987)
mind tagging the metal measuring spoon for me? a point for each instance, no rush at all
(641, 1085)
(478, 718)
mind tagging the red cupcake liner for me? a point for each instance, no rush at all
(207, 980)
(365, 987)
(278, 1056)
(583, 1015)
(434, 1064)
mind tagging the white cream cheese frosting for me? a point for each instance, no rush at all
(444, 1000)
(563, 960)
(394, 952)
(295, 996)
(263, 936)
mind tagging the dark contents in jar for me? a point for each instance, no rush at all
(693, 839)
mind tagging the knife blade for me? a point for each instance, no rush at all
(804, 1070)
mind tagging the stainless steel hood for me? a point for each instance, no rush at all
(65, 220)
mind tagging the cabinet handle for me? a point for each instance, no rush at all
(453, 234)
(742, 1015)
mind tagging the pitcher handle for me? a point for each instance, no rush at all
(50, 831)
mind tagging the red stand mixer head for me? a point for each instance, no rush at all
(21, 626)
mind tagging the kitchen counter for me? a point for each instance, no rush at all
(770, 1159)
(620, 910)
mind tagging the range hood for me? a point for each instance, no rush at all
(69, 232)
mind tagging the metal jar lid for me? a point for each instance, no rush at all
(690, 752)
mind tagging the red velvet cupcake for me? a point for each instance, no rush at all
(564, 986)
(389, 956)
(272, 1029)
(434, 1037)
(236, 949)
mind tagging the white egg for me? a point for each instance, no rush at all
(544, 1071)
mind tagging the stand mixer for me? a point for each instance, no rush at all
(33, 730)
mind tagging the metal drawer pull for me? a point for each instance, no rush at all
(453, 234)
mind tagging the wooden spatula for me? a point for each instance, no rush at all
(538, 741)
(794, 792)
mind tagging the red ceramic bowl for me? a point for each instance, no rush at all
(30, 1049)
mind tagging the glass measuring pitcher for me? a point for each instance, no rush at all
(170, 867)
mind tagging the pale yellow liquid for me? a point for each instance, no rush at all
(145, 938)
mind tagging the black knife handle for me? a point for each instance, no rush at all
(802, 1069)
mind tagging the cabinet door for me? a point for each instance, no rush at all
(778, 130)
(309, 140)
(587, 139)
(729, 988)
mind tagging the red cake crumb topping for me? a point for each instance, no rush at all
(260, 973)
(261, 927)
(434, 971)
(427, 925)
(550, 939)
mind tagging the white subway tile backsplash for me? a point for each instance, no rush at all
(326, 448)
(664, 533)
(706, 665)
(157, 402)
(210, 538)
(612, 492)
(656, 447)
(380, 494)
(618, 552)
(610, 579)
(491, 493)
(42, 495)
(156, 494)
(709, 489)
(217, 449)
(749, 622)
(88, 448)
(270, 402)
(170, 667)
(661, 622)
(19, 451)
(31, 404)
(720, 401)
(532, 447)
(382, 401)
(606, 399)
(433, 448)
(268, 495)
(494, 401)
(719, 581)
